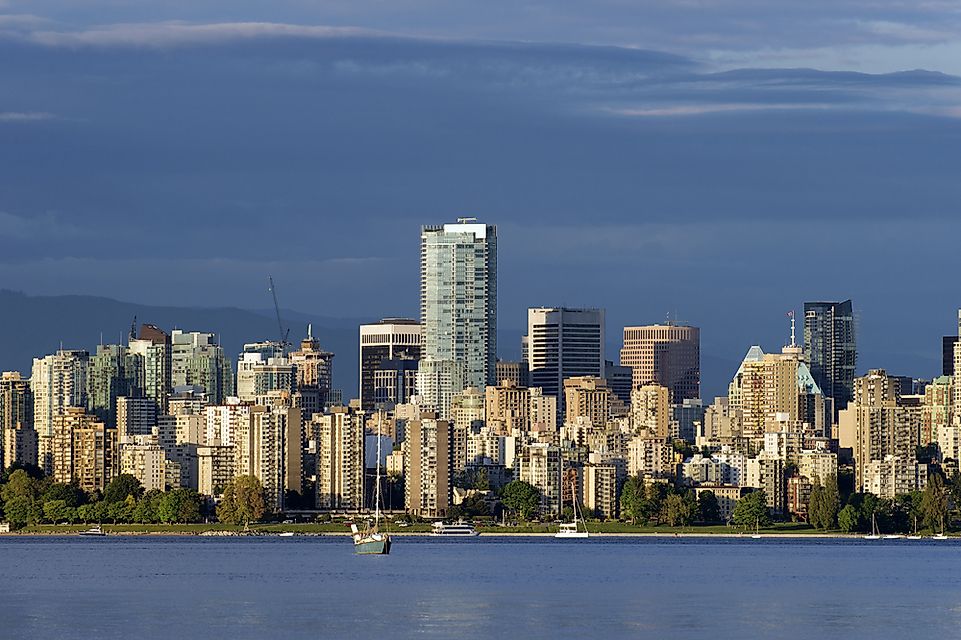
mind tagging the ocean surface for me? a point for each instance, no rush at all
(315, 587)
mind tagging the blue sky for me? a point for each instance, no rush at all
(723, 161)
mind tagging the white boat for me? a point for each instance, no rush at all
(757, 530)
(915, 535)
(874, 529)
(371, 541)
(285, 534)
(571, 529)
(95, 531)
(939, 536)
(893, 536)
(460, 529)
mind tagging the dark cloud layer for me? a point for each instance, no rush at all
(181, 164)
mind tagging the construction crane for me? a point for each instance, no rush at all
(280, 324)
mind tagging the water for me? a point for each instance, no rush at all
(185, 587)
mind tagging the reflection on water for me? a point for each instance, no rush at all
(122, 587)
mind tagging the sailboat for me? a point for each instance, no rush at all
(371, 541)
(874, 529)
(757, 529)
(941, 535)
(915, 535)
(570, 529)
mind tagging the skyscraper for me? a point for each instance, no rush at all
(389, 339)
(197, 360)
(16, 413)
(113, 372)
(152, 348)
(314, 369)
(830, 349)
(458, 297)
(57, 382)
(564, 343)
(666, 354)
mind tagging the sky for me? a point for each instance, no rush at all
(720, 162)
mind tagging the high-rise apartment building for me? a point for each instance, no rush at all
(458, 297)
(438, 381)
(666, 354)
(427, 467)
(564, 343)
(467, 412)
(830, 349)
(83, 450)
(389, 339)
(268, 446)
(542, 465)
(16, 411)
(113, 372)
(513, 371)
(142, 457)
(198, 360)
(135, 416)
(587, 397)
(877, 424)
(339, 437)
(252, 361)
(19, 445)
(153, 350)
(651, 410)
(58, 381)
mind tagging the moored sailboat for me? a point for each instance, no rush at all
(371, 541)
(571, 529)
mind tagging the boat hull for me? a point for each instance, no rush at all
(572, 534)
(373, 547)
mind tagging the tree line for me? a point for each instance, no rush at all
(28, 498)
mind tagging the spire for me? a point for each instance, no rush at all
(310, 332)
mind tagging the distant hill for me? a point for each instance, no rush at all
(33, 326)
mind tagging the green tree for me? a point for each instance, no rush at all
(934, 503)
(55, 511)
(831, 502)
(122, 486)
(21, 485)
(18, 511)
(680, 511)
(752, 509)
(521, 498)
(182, 505)
(708, 508)
(816, 505)
(848, 519)
(70, 493)
(633, 495)
(243, 501)
(144, 511)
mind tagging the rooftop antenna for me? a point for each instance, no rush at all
(310, 331)
(466, 220)
(790, 314)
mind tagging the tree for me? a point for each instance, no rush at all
(680, 511)
(521, 498)
(752, 510)
(243, 501)
(70, 493)
(21, 485)
(144, 511)
(183, 505)
(848, 519)
(934, 503)
(831, 502)
(816, 505)
(17, 510)
(633, 496)
(708, 508)
(55, 511)
(122, 486)
(31, 470)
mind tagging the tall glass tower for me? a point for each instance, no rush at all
(831, 349)
(458, 297)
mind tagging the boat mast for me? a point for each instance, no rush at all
(377, 490)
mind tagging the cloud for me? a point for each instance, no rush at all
(25, 116)
(170, 34)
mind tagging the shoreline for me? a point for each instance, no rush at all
(275, 533)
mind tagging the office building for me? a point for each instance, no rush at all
(458, 301)
(387, 340)
(394, 382)
(564, 343)
(514, 371)
(830, 349)
(665, 354)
